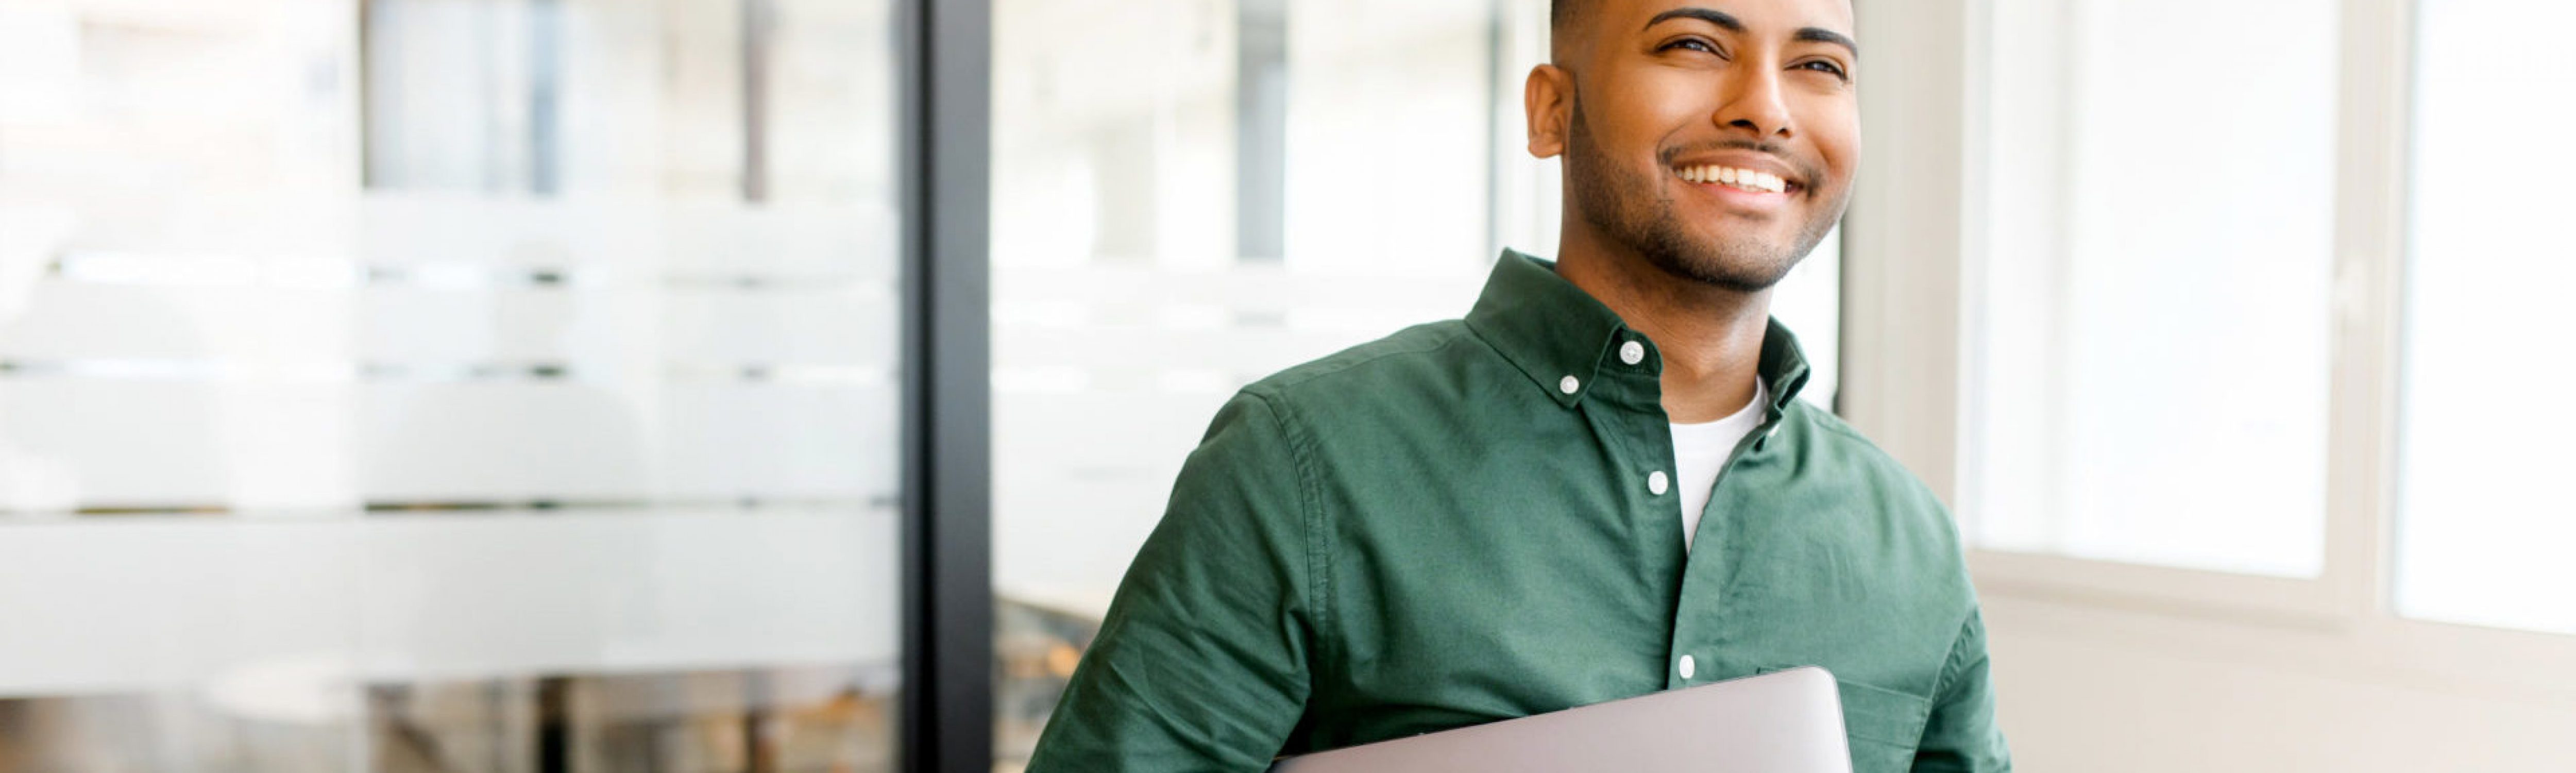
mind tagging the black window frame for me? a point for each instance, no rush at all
(943, 52)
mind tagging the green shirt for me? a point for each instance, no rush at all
(1452, 525)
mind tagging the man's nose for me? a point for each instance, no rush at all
(1755, 103)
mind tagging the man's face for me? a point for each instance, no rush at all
(1717, 138)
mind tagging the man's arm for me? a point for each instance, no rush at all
(1202, 663)
(1961, 735)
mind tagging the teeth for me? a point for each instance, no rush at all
(1741, 178)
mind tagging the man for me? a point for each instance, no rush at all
(1597, 485)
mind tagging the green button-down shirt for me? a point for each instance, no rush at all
(1452, 526)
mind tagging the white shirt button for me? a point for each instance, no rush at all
(1688, 667)
(1632, 352)
(1569, 384)
(1656, 482)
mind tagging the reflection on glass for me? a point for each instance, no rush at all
(1189, 195)
(447, 385)
(2151, 357)
(2483, 518)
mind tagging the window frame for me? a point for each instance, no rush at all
(1913, 260)
(943, 60)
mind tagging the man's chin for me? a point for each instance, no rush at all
(1736, 271)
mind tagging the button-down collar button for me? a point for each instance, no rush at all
(1656, 482)
(1632, 352)
(1569, 384)
(1688, 667)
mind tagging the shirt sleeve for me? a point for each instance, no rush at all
(1961, 734)
(1202, 662)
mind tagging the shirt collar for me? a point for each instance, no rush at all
(1553, 331)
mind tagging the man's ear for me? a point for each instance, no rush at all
(1548, 98)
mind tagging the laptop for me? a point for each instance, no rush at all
(1787, 721)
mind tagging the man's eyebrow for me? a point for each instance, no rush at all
(1728, 22)
(1710, 15)
(1822, 35)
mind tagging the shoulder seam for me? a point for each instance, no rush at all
(1319, 567)
(1834, 424)
(1827, 421)
(1448, 337)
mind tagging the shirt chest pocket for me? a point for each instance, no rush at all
(1884, 726)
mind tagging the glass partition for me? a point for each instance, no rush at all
(448, 385)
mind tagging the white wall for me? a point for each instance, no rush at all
(2083, 688)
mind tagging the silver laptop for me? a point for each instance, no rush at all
(1782, 722)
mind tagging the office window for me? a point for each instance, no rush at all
(2148, 334)
(438, 385)
(2483, 520)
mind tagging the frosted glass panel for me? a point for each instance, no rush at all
(433, 385)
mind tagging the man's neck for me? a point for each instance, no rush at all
(1710, 336)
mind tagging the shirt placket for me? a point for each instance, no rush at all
(1629, 401)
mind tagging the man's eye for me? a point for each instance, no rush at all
(1694, 44)
(1825, 67)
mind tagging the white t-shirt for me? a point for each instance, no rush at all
(1700, 451)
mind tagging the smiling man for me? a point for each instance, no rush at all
(1599, 484)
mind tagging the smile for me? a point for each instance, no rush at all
(1740, 179)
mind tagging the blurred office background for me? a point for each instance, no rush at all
(518, 385)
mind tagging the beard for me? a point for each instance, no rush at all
(1629, 210)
